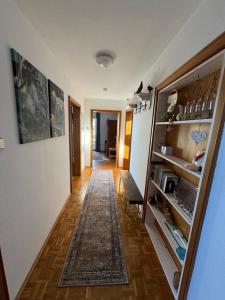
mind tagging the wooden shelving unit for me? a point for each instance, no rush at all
(184, 149)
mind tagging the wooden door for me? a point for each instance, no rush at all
(4, 295)
(74, 139)
(112, 133)
(127, 140)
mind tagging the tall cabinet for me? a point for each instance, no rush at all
(174, 213)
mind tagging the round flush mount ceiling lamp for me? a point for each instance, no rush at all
(105, 59)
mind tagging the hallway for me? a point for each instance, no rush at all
(146, 278)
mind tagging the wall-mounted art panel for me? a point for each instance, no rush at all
(31, 90)
(56, 99)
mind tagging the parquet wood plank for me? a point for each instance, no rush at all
(146, 278)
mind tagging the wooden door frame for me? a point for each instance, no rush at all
(119, 112)
(72, 102)
(4, 293)
(132, 112)
(206, 53)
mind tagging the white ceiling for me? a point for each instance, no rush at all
(136, 30)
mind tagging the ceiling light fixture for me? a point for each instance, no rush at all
(105, 59)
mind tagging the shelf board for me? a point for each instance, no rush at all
(170, 198)
(177, 162)
(198, 121)
(162, 223)
(167, 263)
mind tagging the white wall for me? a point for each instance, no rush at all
(208, 277)
(205, 24)
(34, 178)
(104, 116)
(108, 105)
(140, 147)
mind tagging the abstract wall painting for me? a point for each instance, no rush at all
(31, 89)
(56, 106)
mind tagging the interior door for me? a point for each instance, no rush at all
(127, 140)
(74, 139)
(112, 133)
(76, 142)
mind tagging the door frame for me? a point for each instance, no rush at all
(119, 112)
(128, 111)
(77, 148)
(4, 293)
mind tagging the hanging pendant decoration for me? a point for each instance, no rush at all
(199, 136)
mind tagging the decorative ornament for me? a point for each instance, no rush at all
(199, 136)
(199, 159)
(180, 112)
(176, 279)
(172, 101)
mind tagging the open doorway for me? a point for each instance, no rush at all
(74, 139)
(105, 137)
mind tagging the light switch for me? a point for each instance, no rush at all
(2, 143)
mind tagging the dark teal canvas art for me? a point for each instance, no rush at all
(56, 100)
(32, 102)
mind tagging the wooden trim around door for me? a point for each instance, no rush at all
(75, 167)
(119, 112)
(4, 293)
(127, 140)
(208, 52)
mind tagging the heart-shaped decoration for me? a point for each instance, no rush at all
(199, 136)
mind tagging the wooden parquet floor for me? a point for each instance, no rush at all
(146, 277)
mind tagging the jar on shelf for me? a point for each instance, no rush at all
(198, 106)
(186, 115)
(205, 109)
(192, 110)
(212, 105)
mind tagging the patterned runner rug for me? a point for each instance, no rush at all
(96, 256)
(99, 156)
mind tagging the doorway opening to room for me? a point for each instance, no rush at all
(105, 137)
(74, 112)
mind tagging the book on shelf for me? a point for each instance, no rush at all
(179, 239)
(158, 171)
(169, 182)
